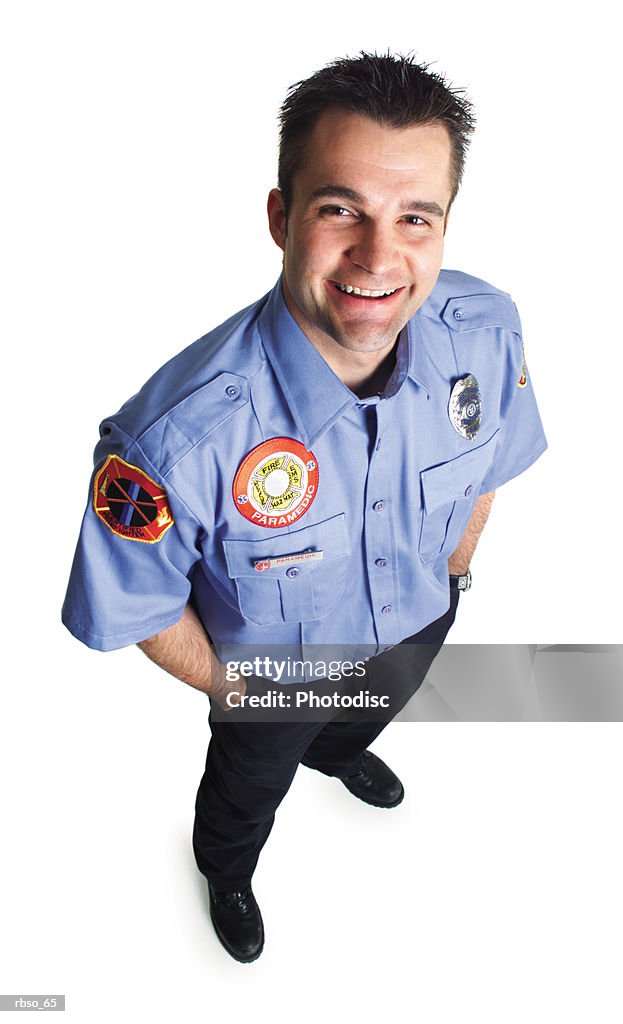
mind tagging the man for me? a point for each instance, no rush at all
(318, 469)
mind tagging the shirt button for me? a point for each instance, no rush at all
(293, 571)
(458, 314)
(386, 609)
(378, 506)
(468, 490)
(232, 391)
(381, 562)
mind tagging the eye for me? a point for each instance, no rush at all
(415, 220)
(335, 211)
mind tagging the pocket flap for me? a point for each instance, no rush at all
(457, 478)
(329, 537)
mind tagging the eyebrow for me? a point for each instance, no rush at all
(352, 196)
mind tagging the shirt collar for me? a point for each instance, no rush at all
(304, 375)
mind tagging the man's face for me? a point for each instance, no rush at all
(368, 214)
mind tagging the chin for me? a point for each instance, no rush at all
(367, 344)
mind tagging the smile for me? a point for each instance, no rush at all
(365, 293)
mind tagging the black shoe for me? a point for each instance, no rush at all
(238, 923)
(375, 784)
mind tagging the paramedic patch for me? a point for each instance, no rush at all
(130, 503)
(276, 483)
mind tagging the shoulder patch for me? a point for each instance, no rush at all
(130, 503)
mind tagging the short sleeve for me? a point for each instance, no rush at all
(137, 545)
(521, 437)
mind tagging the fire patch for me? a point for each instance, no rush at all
(276, 483)
(130, 503)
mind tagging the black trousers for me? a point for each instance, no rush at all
(251, 764)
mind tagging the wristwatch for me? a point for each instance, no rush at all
(461, 582)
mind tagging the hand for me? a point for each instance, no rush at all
(221, 686)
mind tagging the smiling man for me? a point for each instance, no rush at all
(363, 238)
(315, 473)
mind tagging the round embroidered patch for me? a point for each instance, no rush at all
(276, 483)
(130, 503)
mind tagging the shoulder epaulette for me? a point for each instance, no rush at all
(472, 312)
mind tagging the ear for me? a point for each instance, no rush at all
(277, 217)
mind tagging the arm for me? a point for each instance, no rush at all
(184, 651)
(460, 559)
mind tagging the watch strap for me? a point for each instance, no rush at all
(461, 582)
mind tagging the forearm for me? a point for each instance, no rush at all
(184, 651)
(460, 560)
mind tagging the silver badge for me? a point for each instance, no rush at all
(464, 408)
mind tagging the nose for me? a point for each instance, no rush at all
(375, 248)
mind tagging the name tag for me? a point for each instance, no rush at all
(275, 563)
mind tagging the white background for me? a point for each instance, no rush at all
(140, 144)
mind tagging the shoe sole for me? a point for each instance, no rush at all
(373, 803)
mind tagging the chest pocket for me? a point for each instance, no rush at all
(296, 590)
(448, 495)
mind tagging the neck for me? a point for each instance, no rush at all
(375, 382)
(364, 373)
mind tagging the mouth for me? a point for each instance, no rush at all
(379, 294)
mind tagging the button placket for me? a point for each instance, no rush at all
(379, 538)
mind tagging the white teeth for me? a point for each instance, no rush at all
(365, 292)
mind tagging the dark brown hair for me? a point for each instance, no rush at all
(391, 89)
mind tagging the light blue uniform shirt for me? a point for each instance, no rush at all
(396, 481)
